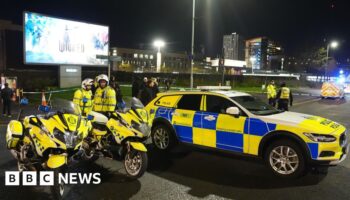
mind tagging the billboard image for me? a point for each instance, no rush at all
(50, 40)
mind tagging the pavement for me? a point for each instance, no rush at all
(188, 173)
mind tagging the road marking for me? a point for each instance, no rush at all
(304, 102)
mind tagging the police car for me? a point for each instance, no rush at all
(237, 122)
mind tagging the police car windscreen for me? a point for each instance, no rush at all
(255, 105)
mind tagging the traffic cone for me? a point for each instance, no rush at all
(43, 99)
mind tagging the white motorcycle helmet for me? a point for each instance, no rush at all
(87, 82)
(102, 77)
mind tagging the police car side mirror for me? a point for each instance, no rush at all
(233, 111)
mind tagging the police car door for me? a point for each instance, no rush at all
(221, 130)
(186, 118)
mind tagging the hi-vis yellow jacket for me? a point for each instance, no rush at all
(104, 100)
(79, 97)
(284, 93)
(271, 91)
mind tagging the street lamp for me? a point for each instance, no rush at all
(159, 44)
(333, 45)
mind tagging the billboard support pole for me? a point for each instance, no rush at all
(110, 60)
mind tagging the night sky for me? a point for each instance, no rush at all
(296, 24)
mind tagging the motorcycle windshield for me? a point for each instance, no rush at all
(136, 103)
(65, 107)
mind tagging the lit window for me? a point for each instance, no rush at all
(141, 56)
(135, 55)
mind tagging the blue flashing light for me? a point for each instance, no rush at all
(341, 80)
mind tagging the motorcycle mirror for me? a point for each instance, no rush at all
(136, 103)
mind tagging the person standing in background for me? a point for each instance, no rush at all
(147, 93)
(284, 97)
(155, 87)
(135, 87)
(271, 93)
(119, 96)
(6, 96)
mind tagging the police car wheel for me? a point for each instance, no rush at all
(162, 137)
(285, 158)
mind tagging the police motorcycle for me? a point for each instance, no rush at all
(49, 141)
(120, 135)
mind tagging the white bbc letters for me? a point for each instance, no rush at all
(11, 178)
(29, 178)
(47, 178)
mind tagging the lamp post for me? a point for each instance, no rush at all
(332, 45)
(159, 44)
(192, 43)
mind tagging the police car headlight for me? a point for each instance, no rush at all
(320, 138)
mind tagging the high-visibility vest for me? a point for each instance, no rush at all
(105, 100)
(83, 95)
(285, 93)
(271, 91)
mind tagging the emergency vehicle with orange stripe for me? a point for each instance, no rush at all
(237, 122)
(332, 90)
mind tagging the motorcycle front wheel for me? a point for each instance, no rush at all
(135, 163)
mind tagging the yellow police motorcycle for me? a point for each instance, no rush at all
(50, 141)
(120, 135)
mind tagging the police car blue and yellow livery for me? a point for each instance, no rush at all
(238, 122)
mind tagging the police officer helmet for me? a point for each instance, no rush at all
(102, 77)
(87, 82)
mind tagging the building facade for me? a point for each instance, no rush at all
(146, 60)
(233, 46)
(7, 28)
(263, 54)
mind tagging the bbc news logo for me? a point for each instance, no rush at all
(46, 178)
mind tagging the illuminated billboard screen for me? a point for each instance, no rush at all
(50, 40)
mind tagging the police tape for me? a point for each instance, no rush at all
(173, 88)
(51, 91)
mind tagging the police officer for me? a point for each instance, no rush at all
(271, 93)
(105, 98)
(83, 96)
(284, 97)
